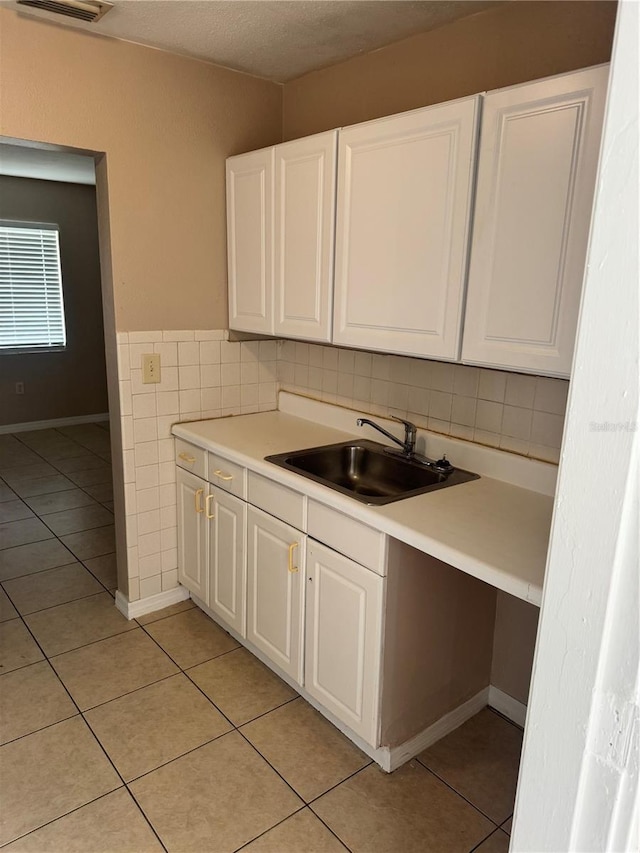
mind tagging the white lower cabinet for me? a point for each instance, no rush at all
(211, 547)
(386, 641)
(275, 590)
(227, 517)
(343, 638)
(192, 533)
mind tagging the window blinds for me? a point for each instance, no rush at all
(31, 303)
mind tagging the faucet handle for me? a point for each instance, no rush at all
(403, 421)
(409, 426)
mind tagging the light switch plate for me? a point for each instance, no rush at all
(150, 368)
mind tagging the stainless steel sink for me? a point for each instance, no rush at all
(368, 471)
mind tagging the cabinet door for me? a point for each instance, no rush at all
(403, 210)
(275, 589)
(192, 533)
(343, 638)
(227, 569)
(536, 177)
(250, 241)
(305, 189)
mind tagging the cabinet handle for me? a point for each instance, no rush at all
(196, 498)
(222, 475)
(186, 457)
(207, 505)
(292, 548)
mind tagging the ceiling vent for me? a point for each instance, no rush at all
(81, 10)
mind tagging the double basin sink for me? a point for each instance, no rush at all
(369, 472)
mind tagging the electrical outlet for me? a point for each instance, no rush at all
(150, 368)
(19, 387)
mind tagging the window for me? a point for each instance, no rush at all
(31, 304)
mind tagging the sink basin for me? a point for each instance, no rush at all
(367, 471)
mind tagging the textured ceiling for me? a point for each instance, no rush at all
(276, 39)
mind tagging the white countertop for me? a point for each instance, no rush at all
(487, 528)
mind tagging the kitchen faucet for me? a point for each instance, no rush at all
(443, 466)
(408, 445)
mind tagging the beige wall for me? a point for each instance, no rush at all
(438, 641)
(73, 381)
(167, 124)
(508, 44)
(514, 643)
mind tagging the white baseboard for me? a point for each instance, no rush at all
(387, 758)
(398, 755)
(507, 705)
(133, 609)
(52, 424)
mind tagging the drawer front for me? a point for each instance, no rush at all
(191, 458)
(277, 500)
(351, 538)
(228, 475)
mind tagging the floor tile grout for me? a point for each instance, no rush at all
(42, 728)
(48, 658)
(486, 838)
(341, 782)
(306, 805)
(73, 562)
(52, 462)
(130, 692)
(66, 814)
(451, 788)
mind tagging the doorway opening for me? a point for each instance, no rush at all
(56, 467)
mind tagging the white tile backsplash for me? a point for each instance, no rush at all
(203, 374)
(519, 413)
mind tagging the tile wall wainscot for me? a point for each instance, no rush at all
(511, 411)
(203, 375)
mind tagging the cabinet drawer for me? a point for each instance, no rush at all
(277, 500)
(352, 538)
(228, 475)
(191, 458)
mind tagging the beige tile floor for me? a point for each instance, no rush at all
(164, 734)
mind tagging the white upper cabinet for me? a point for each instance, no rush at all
(403, 222)
(536, 177)
(280, 238)
(250, 240)
(305, 189)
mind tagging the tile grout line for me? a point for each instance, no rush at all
(120, 776)
(60, 817)
(462, 797)
(337, 785)
(79, 713)
(70, 601)
(234, 727)
(128, 692)
(185, 672)
(53, 465)
(76, 559)
(73, 562)
(284, 820)
(506, 719)
(491, 834)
